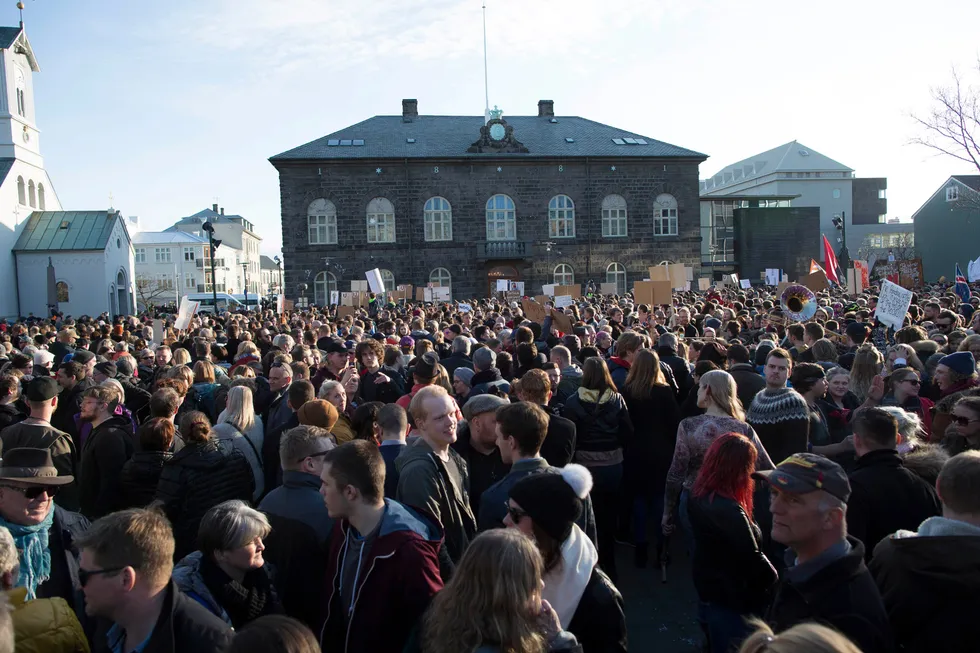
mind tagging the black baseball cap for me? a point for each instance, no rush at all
(803, 473)
(42, 388)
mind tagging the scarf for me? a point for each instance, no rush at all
(35, 557)
(960, 386)
(244, 602)
(565, 584)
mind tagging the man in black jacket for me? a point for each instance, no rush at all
(825, 579)
(667, 350)
(73, 381)
(106, 449)
(559, 444)
(747, 380)
(929, 579)
(126, 563)
(885, 496)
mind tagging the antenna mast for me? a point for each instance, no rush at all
(486, 79)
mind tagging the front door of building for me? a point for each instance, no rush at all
(498, 273)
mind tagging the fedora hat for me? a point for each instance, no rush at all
(26, 467)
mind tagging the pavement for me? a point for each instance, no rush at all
(659, 617)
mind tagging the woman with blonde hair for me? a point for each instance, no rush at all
(238, 427)
(180, 357)
(723, 413)
(802, 638)
(972, 345)
(493, 602)
(867, 365)
(899, 353)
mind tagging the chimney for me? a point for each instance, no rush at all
(546, 108)
(410, 110)
(214, 207)
(222, 210)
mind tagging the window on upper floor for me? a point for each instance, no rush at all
(321, 217)
(882, 193)
(162, 255)
(665, 215)
(380, 221)
(614, 217)
(501, 218)
(561, 217)
(952, 194)
(139, 255)
(189, 254)
(21, 191)
(31, 195)
(438, 219)
(40, 196)
(837, 193)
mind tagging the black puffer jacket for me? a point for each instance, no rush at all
(137, 400)
(602, 423)
(106, 450)
(196, 479)
(599, 622)
(140, 477)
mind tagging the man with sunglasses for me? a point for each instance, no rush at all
(42, 531)
(956, 377)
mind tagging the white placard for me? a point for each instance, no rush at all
(441, 294)
(518, 286)
(465, 308)
(186, 312)
(563, 301)
(893, 304)
(427, 294)
(772, 276)
(732, 278)
(280, 304)
(503, 285)
(548, 289)
(374, 280)
(158, 331)
(746, 283)
(334, 297)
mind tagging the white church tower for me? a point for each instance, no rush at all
(24, 184)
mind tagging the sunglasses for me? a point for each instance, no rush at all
(516, 514)
(943, 326)
(84, 576)
(962, 421)
(34, 492)
(319, 454)
(913, 381)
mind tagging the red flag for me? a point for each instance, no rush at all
(831, 261)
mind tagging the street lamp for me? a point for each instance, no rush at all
(840, 222)
(213, 244)
(279, 265)
(245, 275)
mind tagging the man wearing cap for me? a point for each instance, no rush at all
(956, 377)
(487, 378)
(42, 531)
(826, 579)
(424, 374)
(462, 378)
(86, 358)
(43, 363)
(37, 432)
(476, 442)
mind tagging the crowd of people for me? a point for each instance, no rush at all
(458, 478)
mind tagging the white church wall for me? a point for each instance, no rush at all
(84, 272)
(118, 259)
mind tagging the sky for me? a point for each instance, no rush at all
(169, 107)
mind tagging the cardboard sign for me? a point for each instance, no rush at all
(563, 301)
(347, 298)
(652, 293)
(346, 311)
(542, 299)
(420, 294)
(678, 275)
(186, 312)
(574, 291)
(893, 304)
(815, 282)
(358, 286)
(704, 284)
(783, 285)
(533, 310)
(746, 283)
(659, 273)
(290, 304)
(609, 288)
(562, 322)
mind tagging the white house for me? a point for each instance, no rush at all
(24, 183)
(271, 273)
(239, 244)
(92, 255)
(168, 264)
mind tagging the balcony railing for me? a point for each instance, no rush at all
(504, 249)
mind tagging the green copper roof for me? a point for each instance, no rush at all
(47, 231)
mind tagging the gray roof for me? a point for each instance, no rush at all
(387, 137)
(207, 215)
(790, 157)
(5, 166)
(160, 237)
(973, 181)
(266, 263)
(8, 35)
(47, 231)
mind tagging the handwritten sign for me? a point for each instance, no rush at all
(563, 301)
(893, 304)
(186, 312)
(465, 308)
(533, 310)
(503, 285)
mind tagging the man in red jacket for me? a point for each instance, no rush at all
(383, 565)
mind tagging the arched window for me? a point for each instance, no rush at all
(40, 196)
(62, 290)
(561, 217)
(440, 277)
(665, 216)
(324, 284)
(438, 219)
(388, 279)
(322, 220)
(616, 273)
(21, 97)
(21, 191)
(380, 221)
(613, 216)
(501, 218)
(564, 275)
(32, 200)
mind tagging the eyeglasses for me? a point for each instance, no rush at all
(913, 381)
(34, 492)
(940, 325)
(516, 514)
(319, 454)
(84, 576)
(962, 421)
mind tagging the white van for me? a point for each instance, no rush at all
(254, 301)
(226, 302)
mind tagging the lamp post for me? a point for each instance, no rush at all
(212, 247)
(279, 265)
(841, 223)
(245, 276)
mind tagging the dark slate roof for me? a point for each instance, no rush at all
(386, 137)
(5, 166)
(207, 215)
(8, 35)
(973, 181)
(84, 230)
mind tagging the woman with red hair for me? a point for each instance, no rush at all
(731, 573)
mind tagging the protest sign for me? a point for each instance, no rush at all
(772, 276)
(658, 273)
(861, 268)
(561, 301)
(158, 331)
(652, 293)
(334, 297)
(358, 286)
(280, 304)
(608, 288)
(347, 298)
(374, 280)
(186, 312)
(465, 308)
(575, 291)
(503, 285)
(518, 286)
(420, 294)
(548, 289)
(816, 281)
(562, 322)
(678, 275)
(893, 304)
(345, 311)
(746, 283)
(533, 310)
(704, 283)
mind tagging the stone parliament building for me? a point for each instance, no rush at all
(462, 201)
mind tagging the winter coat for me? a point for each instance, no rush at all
(571, 381)
(729, 567)
(45, 625)
(681, 370)
(842, 595)
(929, 582)
(456, 361)
(140, 477)
(602, 426)
(69, 404)
(106, 450)
(400, 575)
(11, 414)
(249, 444)
(558, 447)
(66, 527)
(188, 578)
(599, 623)
(197, 478)
(387, 393)
(648, 456)
(204, 398)
(137, 400)
(619, 369)
(886, 497)
(748, 382)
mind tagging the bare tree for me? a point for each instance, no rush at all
(151, 292)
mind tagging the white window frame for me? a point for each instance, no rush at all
(441, 278)
(561, 217)
(501, 216)
(324, 283)
(882, 218)
(165, 282)
(563, 275)
(31, 195)
(21, 191)
(615, 217)
(665, 215)
(139, 255)
(380, 221)
(388, 279)
(321, 222)
(40, 196)
(437, 219)
(616, 273)
(882, 193)
(952, 193)
(162, 255)
(189, 254)
(190, 282)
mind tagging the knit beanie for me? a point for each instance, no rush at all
(961, 362)
(318, 413)
(554, 500)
